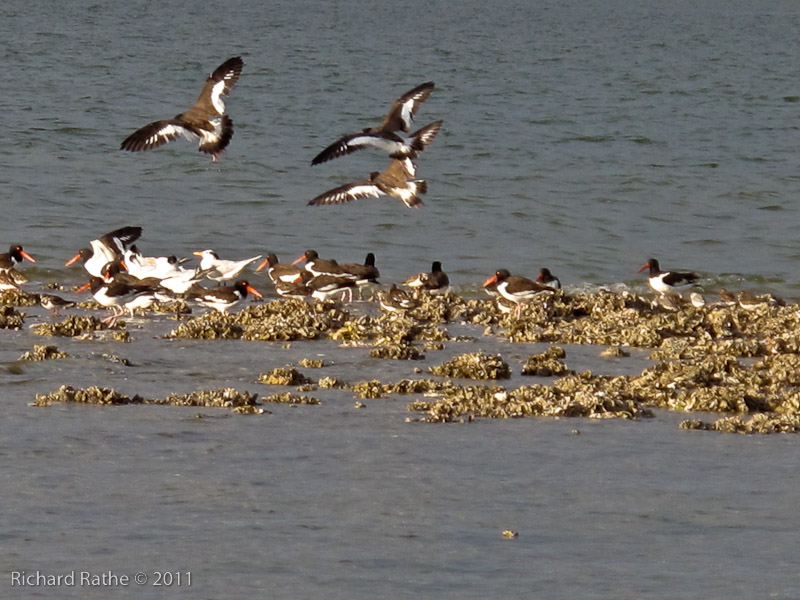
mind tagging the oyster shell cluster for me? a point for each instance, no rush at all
(715, 358)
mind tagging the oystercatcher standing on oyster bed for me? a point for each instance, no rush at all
(14, 256)
(205, 120)
(119, 296)
(320, 266)
(280, 272)
(667, 281)
(545, 277)
(436, 282)
(222, 298)
(516, 289)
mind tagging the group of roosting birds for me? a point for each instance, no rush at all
(207, 122)
(123, 279)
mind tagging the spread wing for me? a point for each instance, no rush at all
(391, 143)
(347, 193)
(402, 112)
(156, 134)
(219, 84)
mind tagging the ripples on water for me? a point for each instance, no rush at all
(583, 138)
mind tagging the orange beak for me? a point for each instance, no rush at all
(254, 291)
(73, 260)
(262, 265)
(27, 256)
(198, 253)
(83, 288)
(644, 266)
(300, 259)
(490, 281)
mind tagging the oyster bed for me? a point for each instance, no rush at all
(717, 358)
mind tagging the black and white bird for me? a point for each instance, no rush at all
(325, 286)
(516, 289)
(399, 118)
(206, 120)
(667, 281)
(280, 272)
(405, 150)
(106, 249)
(436, 281)
(321, 266)
(119, 296)
(394, 181)
(14, 256)
(221, 270)
(364, 273)
(545, 277)
(222, 298)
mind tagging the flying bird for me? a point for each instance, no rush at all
(391, 182)
(399, 118)
(206, 120)
(396, 146)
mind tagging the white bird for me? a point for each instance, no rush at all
(222, 270)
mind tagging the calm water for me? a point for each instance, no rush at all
(583, 138)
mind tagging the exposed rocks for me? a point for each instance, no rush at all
(547, 364)
(10, 318)
(222, 398)
(284, 376)
(73, 326)
(43, 353)
(474, 365)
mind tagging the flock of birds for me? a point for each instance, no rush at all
(122, 279)
(207, 122)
